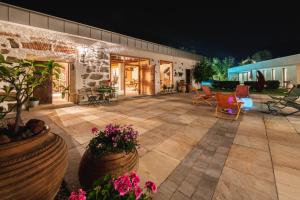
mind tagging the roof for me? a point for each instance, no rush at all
(24, 16)
(276, 62)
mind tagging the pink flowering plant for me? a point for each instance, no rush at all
(113, 139)
(126, 187)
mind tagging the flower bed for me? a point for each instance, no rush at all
(126, 187)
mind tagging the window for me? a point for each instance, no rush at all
(284, 77)
(273, 74)
(249, 76)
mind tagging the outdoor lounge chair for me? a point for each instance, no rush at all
(242, 91)
(227, 104)
(206, 97)
(277, 105)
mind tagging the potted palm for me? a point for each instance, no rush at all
(111, 151)
(32, 159)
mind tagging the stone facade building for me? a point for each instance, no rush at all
(91, 56)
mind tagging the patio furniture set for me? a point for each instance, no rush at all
(228, 103)
(97, 95)
(239, 101)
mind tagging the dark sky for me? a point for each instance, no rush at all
(236, 29)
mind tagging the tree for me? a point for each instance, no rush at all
(247, 61)
(21, 79)
(221, 67)
(262, 55)
(203, 70)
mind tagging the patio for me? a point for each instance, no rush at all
(188, 152)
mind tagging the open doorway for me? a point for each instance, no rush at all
(61, 84)
(132, 76)
(166, 74)
(54, 91)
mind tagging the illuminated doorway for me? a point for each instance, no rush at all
(61, 84)
(132, 76)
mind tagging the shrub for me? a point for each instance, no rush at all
(252, 84)
(272, 84)
(227, 85)
(113, 139)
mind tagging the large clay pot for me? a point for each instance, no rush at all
(92, 168)
(33, 168)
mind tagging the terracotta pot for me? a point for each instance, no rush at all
(92, 168)
(33, 168)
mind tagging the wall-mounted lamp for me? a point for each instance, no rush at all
(82, 53)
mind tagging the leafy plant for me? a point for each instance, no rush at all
(21, 79)
(126, 187)
(53, 68)
(203, 70)
(113, 139)
(221, 67)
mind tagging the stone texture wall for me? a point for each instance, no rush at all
(93, 67)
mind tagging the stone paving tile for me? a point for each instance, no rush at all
(194, 173)
(197, 175)
(248, 172)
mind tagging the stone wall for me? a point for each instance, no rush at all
(93, 67)
(90, 58)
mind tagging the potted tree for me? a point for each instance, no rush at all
(111, 151)
(203, 71)
(32, 159)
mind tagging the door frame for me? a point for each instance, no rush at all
(139, 68)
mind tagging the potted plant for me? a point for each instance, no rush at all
(126, 187)
(30, 155)
(33, 102)
(111, 151)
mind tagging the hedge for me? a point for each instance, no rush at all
(227, 85)
(252, 84)
(272, 84)
(269, 84)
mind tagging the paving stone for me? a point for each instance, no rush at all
(200, 166)
(179, 196)
(166, 190)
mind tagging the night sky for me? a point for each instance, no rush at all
(211, 29)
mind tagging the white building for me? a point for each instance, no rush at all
(285, 69)
(91, 55)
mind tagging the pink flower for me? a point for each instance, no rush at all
(138, 193)
(151, 186)
(80, 195)
(122, 185)
(95, 130)
(135, 179)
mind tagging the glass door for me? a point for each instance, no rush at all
(132, 80)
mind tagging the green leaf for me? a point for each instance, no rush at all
(2, 59)
(4, 71)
